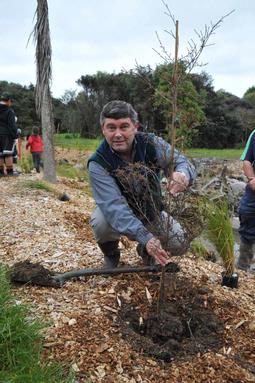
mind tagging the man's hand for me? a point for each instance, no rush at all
(252, 183)
(154, 249)
(178, 183)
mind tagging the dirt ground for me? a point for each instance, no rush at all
(110, 329)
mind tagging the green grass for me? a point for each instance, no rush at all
(227, 154)
(39, 185)
(69, 171)
(73, 142)
(220, 232)
(65, 140)
(21, 343)
(26, 163)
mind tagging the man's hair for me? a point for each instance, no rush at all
(35, 130)
(5, 96)
(118, 109)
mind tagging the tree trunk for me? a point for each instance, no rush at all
(49, 164)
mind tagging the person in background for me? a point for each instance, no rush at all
(8, 135)
(35, 143)
(115, 214)
(247, 208)
(16, 154)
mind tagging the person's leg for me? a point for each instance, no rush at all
(34, 160)
(40, 160)
(36, 157)
(9, 164)
(8, 148)
(2, 167)
(107, 238)
(245, 255)
(247, 240)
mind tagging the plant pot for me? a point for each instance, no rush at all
(229, 280)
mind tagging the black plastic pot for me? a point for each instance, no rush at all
(64, 197)
(229, 280)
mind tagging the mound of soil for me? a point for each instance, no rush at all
(185, 326)
(33, 273)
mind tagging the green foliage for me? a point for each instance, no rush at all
(26, 164)
(190, 103)
(200, 250)
(220, 233)
(39, 185)
(249, 96)
(208, 119)
(21, 343)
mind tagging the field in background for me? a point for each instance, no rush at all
(70, 141)
(227, 154)
(73, 142)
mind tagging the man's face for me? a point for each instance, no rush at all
(119, 133)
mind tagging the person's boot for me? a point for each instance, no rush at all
(11, 172)
(111, 253)
(142, 252)
(245, 255)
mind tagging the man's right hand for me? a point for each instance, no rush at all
(155, 250)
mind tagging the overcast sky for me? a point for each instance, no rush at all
(109, 35)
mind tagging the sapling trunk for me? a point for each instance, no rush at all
(172, 138)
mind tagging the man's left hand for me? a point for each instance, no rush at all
(178, 183)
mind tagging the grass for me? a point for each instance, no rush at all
(39, 185)
(220, 233)
(227, 154)
(69, 171)
(21, 343)
(73, 142)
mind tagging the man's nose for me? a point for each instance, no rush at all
(118, 132)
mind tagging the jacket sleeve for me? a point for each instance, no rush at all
(114, 205)
(12, 125)
(181, 163)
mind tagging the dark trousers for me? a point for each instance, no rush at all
(247, 216)
(37, 160)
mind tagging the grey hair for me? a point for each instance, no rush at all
(118, 109)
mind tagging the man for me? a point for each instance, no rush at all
(8, 134)
(126, 154)
(247, 208)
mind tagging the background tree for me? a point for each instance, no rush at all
(249, 96)
(42, 90)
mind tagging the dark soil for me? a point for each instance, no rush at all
(186, 325)
(32, 273)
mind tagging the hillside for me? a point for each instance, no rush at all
(106, 327)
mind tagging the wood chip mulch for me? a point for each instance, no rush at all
(84, 331)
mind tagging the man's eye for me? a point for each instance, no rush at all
(125, 127)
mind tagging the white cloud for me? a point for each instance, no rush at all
(109, 35)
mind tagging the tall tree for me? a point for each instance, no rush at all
(42, 90)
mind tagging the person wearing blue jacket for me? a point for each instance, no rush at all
(247, 208)
(127, 165)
